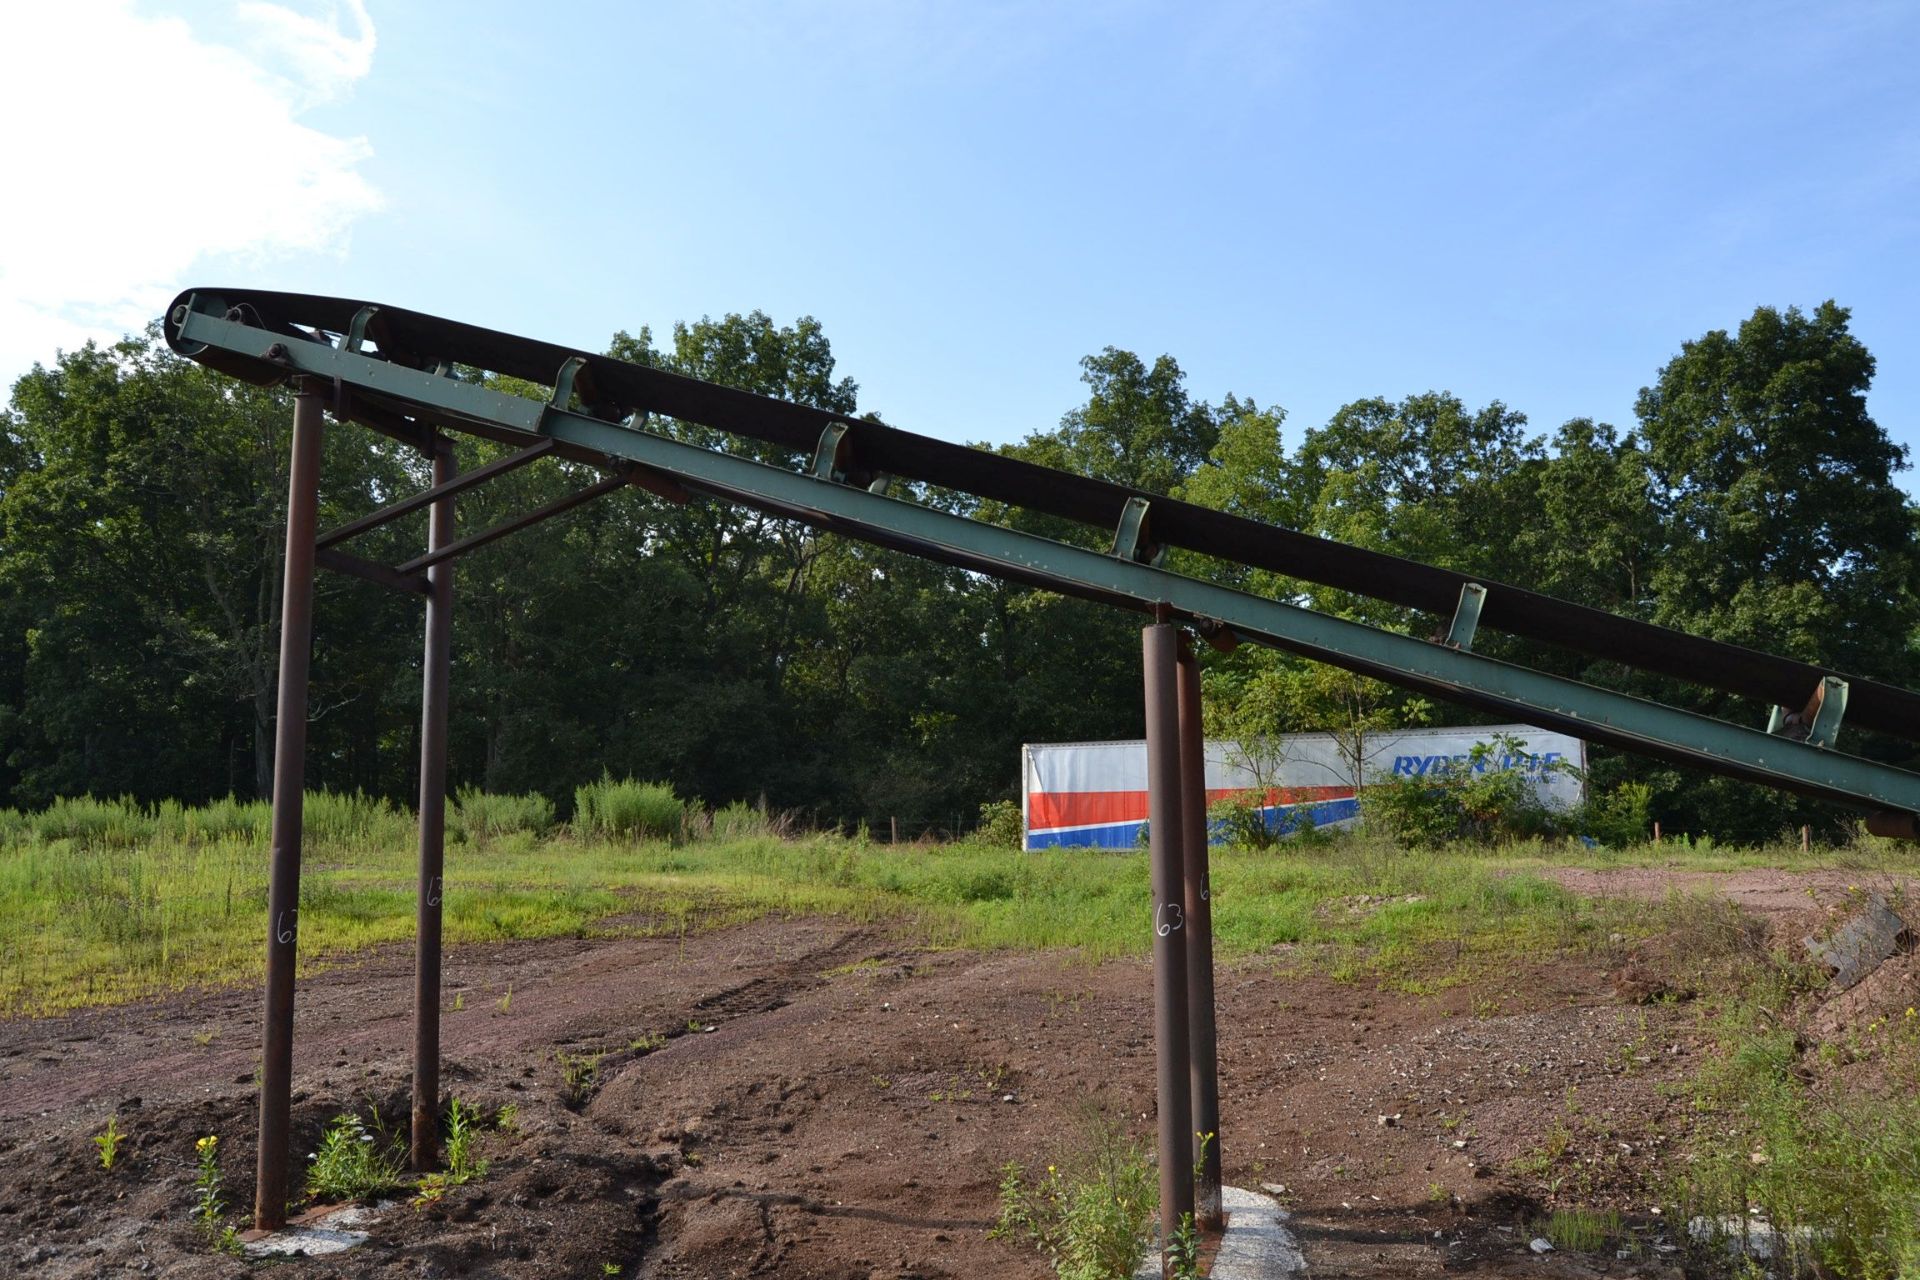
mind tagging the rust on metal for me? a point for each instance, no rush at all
(436, 665)
(1160, 644)
(339, 561)
(289, 781)
(1203, 1057)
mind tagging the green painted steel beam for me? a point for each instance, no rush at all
(1454, 674)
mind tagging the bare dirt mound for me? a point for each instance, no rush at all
(816, 1099)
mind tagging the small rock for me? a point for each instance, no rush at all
(1388, 1122)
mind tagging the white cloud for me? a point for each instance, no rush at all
(135, 145)
(322, 60)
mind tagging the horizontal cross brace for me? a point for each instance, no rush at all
(1599, 715)
(474, 541)
(395, 579)
(464, 481)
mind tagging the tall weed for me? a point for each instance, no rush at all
(482, 816)
(1089, 1213)
(742, 821)
(624, 809)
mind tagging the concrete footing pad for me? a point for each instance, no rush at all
(1256, 1246)
(333, 1229)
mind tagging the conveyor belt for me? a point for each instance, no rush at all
(422, 342)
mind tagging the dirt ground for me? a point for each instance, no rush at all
(829, 1101)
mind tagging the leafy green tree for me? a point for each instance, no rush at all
(1247, 471)
(738, 655)
(1424, 478)
(1785, 529)
(1596, 536)
(1139, 427)
(142, 527)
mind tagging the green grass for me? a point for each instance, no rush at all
(1580, 1230)
(104, 901)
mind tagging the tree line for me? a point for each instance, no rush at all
(739, 656)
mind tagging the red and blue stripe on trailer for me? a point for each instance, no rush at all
(1094, 794)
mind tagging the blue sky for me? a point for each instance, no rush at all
(1303, 203)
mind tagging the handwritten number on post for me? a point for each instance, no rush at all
(286, 926)
(1168, 919)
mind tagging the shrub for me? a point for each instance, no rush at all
(483, 816)
(1414, 812)
(1618, 818)
(1000, 825)
(1240, 821)
(627, 810)
(1477, 803)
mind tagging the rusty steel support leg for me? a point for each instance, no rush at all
(1208, 1213)
(1160, 646)
(436, 664)
(289, 779)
